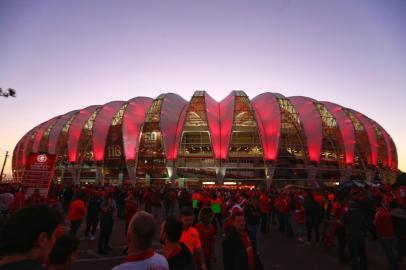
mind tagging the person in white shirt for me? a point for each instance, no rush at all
(6, 200)
(141, 256)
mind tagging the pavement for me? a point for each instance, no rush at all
(275, 251)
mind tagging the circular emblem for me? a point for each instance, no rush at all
(42, 158)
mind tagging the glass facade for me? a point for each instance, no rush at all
(196, 157)
(332, 161)
(151, 156)
(291, 161)
(245, 158)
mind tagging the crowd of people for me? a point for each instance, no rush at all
(189, 222)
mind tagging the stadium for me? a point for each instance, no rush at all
(268, 140)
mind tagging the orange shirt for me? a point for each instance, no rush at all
(191, 239)
(77, 210)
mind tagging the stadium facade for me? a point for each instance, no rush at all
(269, 139)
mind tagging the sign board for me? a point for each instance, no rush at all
(38, 173)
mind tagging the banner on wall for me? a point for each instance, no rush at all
(38, 173)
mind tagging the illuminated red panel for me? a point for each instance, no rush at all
(373, 142)
(133, 120)
(226, 123)
(22, 153)
(101, 127)
(388, 144)
(19, 156)
(40, 133)
(346, 129)
(76, 129)
(56, 130)
(268, 116)
(394, 155)
(28, 136)
(172, 115)
(13, 160)
(15, 153)
(213, 121)
(311, 121)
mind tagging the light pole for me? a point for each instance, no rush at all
(4, 164)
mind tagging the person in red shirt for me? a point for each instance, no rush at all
(238, 251)
(19, 200)
(286, 207)
(337, 211)
(279, 214)
(207, 234)
(385, 231)
(299, 218)
(130, 207)
(205, 200)
(216, 206)
(265, 208)
(76, 214)
(35, 198)
(147, 201)
(52, 201)
(318, 198)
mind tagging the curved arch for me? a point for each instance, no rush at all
(101, 127)
(346, 129)
(226, 123)
(56, 130)
(394, 155)
(388, 147)
(268, 116)
(76, 129)
(133, 119)
(40, 133)
(310, 118)
(29, 136)
(220, 121)
(373, 141)
(19, 155)
(173, 112)
(179, 130)
(22, 155)
(388, 144)
(16, 150)
(213, 121)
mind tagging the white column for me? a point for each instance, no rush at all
(99, 175)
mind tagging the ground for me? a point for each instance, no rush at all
(276, 252)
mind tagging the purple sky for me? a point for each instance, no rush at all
(65, 55)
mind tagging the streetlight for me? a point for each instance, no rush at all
(4, 164)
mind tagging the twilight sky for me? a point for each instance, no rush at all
(66, 55)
